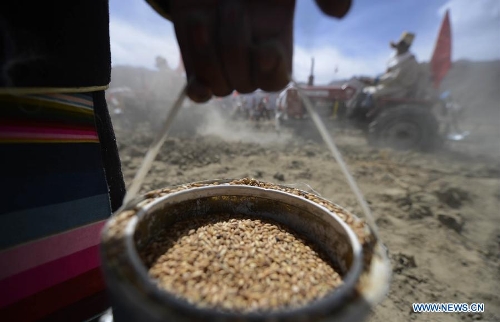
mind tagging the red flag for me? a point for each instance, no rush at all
(441, 58)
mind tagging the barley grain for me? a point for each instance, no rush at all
(239, 264)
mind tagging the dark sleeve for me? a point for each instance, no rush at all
(54, 43)
(109, 151)
(161, 6)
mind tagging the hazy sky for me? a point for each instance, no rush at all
(357, 44)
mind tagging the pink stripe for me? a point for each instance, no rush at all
(46, 136)
(26, 256)
(49, 130)
(47, 275)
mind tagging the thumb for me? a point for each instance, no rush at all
(334, 8)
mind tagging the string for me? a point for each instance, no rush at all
(154, 148)
(329, 141)
(160, 138)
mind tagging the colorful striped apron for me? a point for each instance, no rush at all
(54, 201)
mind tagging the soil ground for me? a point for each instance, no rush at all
(438, 214)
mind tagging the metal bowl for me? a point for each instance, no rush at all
(136, 297)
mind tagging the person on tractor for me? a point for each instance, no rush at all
(401, 76)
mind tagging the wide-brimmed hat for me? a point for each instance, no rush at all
(406, 38)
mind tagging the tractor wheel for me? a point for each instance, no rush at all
(405, 128)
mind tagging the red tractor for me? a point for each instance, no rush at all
(420, 121)
(408, 123)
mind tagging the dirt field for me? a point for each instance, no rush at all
(438, 214)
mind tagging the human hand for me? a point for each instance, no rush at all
(238, 45)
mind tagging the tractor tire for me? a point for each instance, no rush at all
(405, 128)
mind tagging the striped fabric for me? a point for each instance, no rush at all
(52, 118)
(54, 203)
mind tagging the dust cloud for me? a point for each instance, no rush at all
(220, 125)
(475, 86)
(437, 212)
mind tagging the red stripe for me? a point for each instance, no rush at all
(26, 256)
(47, 275)
(55, 298)
(48, 136)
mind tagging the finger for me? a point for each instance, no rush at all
(272, 35)
(207, 68)
(334, 8)
(194, 23)
(198, 92)
(272, 71)
(235, 41)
